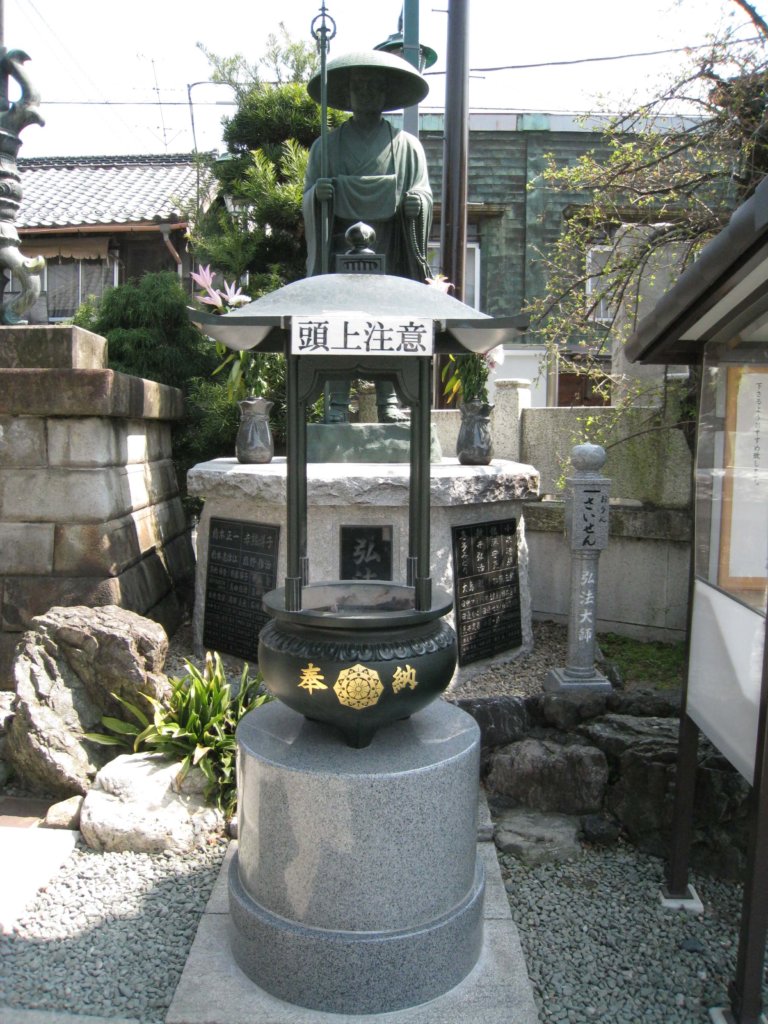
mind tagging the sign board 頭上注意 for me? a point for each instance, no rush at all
(486, 589)
(241, 568)
(356, 334)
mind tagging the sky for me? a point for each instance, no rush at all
(118, 79)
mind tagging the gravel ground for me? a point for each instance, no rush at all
(599, 946)
(110, 935)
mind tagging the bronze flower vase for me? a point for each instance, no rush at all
(474, 445)
(254, 442)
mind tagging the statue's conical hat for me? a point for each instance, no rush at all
(405, 86)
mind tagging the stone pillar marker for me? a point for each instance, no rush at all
(586, 523)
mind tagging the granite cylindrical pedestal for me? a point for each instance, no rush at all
(356, 886)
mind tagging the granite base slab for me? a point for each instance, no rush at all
(213, 989)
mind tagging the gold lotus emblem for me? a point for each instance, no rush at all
(358, 687)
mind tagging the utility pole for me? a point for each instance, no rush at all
(453, 226)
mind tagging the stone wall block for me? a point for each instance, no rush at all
(446, 423)
(649, 466)
(83, 495)
(48, 346)
(99, 441)
(48, 392)
(179, 557)
(75, 495)
(148, 440)
(148, 483)
(26, 547)
(145, 583)
(171, 610)
(138, 589)
(22, 441)
(86, 441)
(98, 549)
(545, 775)
(24, 597)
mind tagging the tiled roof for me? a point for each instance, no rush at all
(81, 191)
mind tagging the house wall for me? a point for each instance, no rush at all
(521, 217)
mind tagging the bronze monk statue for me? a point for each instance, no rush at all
(376, 174)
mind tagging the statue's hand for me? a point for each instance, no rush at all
(324, 189)
(412, 206)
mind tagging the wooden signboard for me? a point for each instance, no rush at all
(242, 567)
(486, 588)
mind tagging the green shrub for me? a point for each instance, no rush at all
(149, 334)
(196, 724)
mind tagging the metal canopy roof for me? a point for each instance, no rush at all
(265, 323)
(719, 296)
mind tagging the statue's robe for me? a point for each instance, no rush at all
(372, 174)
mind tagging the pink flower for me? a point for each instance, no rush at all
(203, 277)
(234, 297)
(211, 296)
(441, 282)
(495, 357)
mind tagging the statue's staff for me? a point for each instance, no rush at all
(323, 30)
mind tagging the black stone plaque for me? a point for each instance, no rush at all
(366, 553)
(242, 567)
(486, 588)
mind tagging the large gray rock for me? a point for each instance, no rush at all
(67, 667)
(137, 804)
(614, 734)
(501, 719)
(549, 776)
(565, 711)
(6, 714)
(536, 838)
(642, 753)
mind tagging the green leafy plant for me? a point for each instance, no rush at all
(466, 378)
(196, 723)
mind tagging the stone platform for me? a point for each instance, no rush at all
(213, 989)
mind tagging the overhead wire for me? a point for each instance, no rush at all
(479, 70)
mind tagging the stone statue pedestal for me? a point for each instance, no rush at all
(357, 887)
(362, 495)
